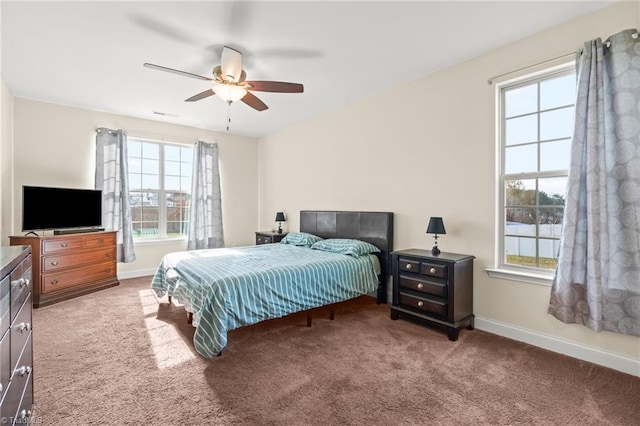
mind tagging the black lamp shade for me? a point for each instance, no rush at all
(280, 217)
(436, 226)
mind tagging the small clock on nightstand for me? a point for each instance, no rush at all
(269, 237)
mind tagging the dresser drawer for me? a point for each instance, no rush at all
(20, 285)
(57, 245)
(420, 304)
(409, 265)
(423, 286)
(20, 381)
(433, 270)
(20, 331)
(5, 304)
(5, 362)
(100, 240)
(58, 281)
(53, 263)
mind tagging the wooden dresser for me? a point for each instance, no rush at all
(16, 348)
(438, 289)
(67, 266)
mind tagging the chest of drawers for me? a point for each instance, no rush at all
(66, 266)
(438, 289)
(16, 359)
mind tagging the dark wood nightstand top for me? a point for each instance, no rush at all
(426, 254)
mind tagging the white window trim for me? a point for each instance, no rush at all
(160, 240)
(501, 270)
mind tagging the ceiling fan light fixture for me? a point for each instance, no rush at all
(229, 92)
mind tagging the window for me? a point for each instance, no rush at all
(159, 188)
(536, 126)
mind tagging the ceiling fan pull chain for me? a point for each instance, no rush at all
(228, 115)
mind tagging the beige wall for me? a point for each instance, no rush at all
(55, 146)
(6, 161)
(428, 149)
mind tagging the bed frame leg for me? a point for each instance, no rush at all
(189, 318)
(169, 297)
(332, 314)
(308, 319)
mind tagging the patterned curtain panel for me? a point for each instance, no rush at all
(113, 179)
(205, 223)
(597, 283)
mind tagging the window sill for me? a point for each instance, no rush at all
(520, 276)
(159, 241)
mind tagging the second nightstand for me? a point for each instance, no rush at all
(438, 289)
(269, 237)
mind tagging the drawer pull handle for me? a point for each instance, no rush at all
(22, 282)
(23, 415)
(432, 271)
(101, 241)
(54, 282)
(24, 326)
(54, 263)
(22, 371)
(408, 266)
(420, 286)
(107, 269)
(106, 255)
(63, 245)
(420, 303)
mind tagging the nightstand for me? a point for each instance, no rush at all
(437, 289)
(269, 237)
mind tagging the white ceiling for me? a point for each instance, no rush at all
(90, 54)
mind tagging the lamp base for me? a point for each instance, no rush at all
(435, 251)
(279, 230)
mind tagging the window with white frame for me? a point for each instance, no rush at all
(159, 188)
(536, 126)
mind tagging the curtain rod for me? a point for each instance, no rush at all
(557, 58)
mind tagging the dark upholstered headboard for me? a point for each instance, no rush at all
(373, 227)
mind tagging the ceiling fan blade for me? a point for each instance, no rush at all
(275, 86)
(231, 64)
(174, 71)
(253, 101)
(201, 95)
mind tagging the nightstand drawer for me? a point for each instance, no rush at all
(433, 270)
(263, 240)
(423, 286)
(433, 307)
(409, 265)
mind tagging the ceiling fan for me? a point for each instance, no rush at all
(229, 82)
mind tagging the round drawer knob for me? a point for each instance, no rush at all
(432, 271)
(420, 286)
(420, 303)
(408, 266)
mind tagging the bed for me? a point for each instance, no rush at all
(224, 289)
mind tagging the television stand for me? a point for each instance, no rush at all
(75, 231)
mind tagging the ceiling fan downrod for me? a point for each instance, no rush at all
(228, 115)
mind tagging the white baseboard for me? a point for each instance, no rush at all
(559, 345)
(137, 273)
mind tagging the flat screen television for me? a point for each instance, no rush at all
(45, 208)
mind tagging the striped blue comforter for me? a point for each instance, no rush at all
(232, 287)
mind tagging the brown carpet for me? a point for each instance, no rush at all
(121, 356)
